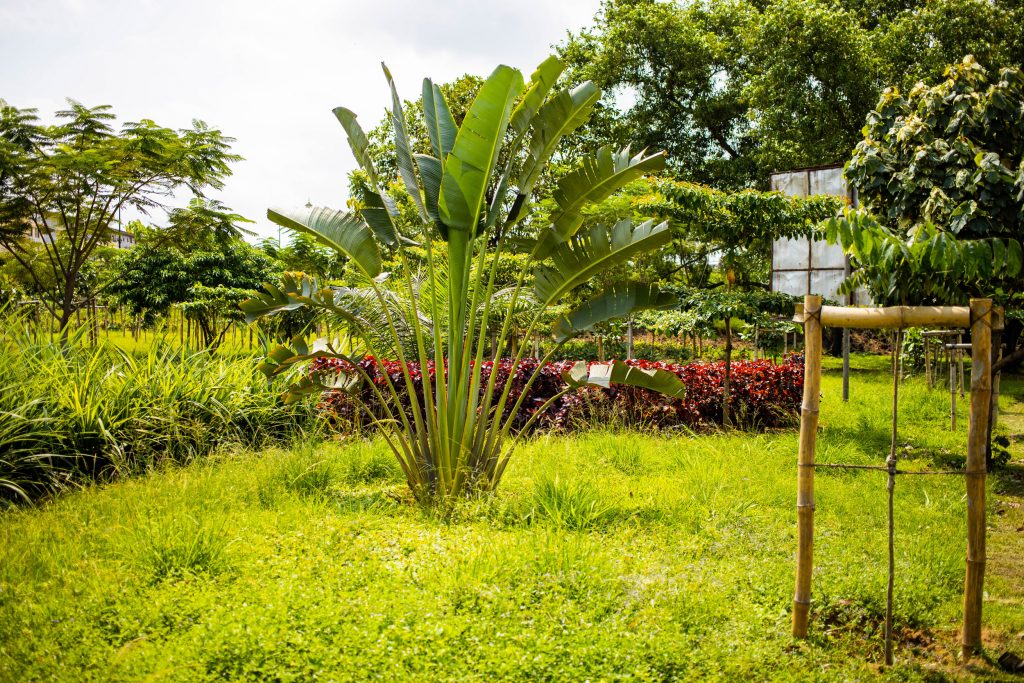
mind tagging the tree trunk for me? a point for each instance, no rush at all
(67, 310)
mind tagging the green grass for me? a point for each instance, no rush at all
(603, 556)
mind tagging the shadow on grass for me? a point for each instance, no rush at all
(1009, 479)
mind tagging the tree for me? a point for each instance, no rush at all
(737, 230)
(940, 173)
(941, 176)
(304, 254)
(737, 90)
(70, 181)
(207, 284)
(473, 187)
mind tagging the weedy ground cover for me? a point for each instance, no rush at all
(604, 555)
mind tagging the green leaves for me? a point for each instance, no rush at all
(357, 141)
(338, 230)
(617, 372)
(596, 179)
(594, 251)
(618, 300)
(430, 172)
(467, 169)
(438, 118)
(559, 116)
(940, 167)
(286, 357)
(541, 82)
(927, 262)
(403, 153)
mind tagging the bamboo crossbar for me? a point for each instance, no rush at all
(894, 316)
(941, 333)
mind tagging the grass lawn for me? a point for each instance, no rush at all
(604, 556)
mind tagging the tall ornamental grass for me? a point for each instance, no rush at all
(81, 413)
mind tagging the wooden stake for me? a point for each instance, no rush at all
(960, 359)
(805, 463)
(952, 390)
(928, 362)
(998, 322)
(890, 464)
(981, 401)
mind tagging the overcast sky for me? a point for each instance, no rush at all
(266, 73)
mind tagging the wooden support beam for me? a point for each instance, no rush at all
(895, 316)
(981, 401)
(805, 464)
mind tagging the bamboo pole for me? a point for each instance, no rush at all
(890, 464)
(960, 362)
(998, 322)
(928, 362)
(895, 316)
(952, 390)
(805, 463)
(981, 401)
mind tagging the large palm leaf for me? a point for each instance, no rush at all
(594, 251)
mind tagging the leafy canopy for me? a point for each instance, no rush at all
(737, 90)
(70, 180)
(940, 173)
(206, 283)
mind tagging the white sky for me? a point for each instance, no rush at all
(266, 73)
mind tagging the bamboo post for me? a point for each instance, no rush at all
(805, 463)
(981, 401)
(960, 361)
(928, 362)
(952, 391)
(890, 464)
(998, 321)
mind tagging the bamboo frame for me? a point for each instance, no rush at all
(805, 464)
(977, 432)
(978, 317)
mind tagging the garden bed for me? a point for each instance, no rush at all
(763, 394)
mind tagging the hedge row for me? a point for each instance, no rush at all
(764, 394)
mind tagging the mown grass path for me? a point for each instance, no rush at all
(605, 556)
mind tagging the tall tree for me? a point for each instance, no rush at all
(69, 182)
(737, 90)
(940, 173)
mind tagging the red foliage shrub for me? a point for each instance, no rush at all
(764, 394)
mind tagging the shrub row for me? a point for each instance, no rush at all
(80, 414)
(763, 393)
